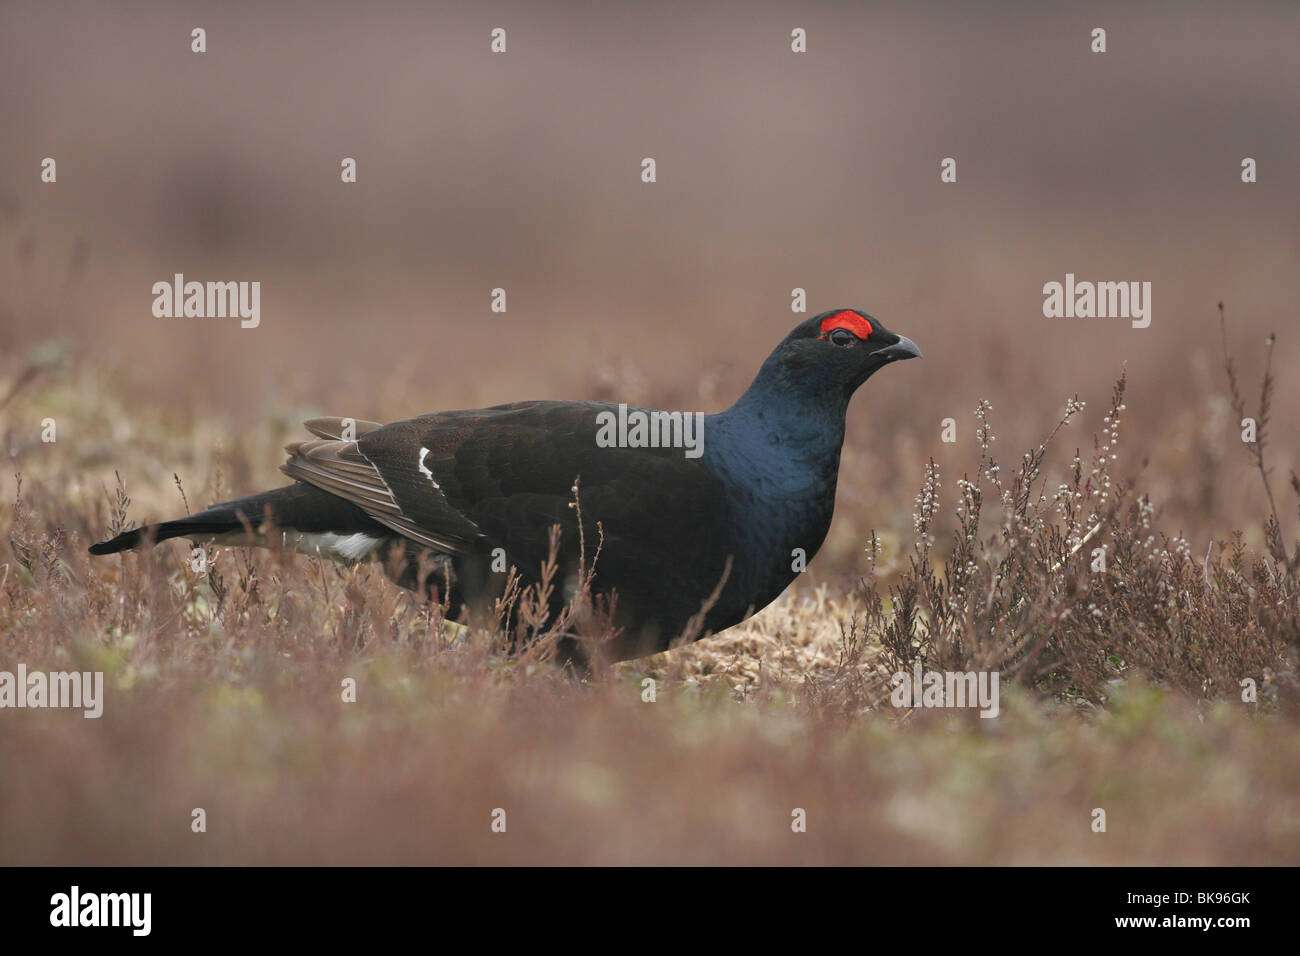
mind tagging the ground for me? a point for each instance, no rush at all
(227, 690)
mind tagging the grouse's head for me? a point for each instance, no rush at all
(839, 350)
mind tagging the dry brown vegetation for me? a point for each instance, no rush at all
(1121, 689)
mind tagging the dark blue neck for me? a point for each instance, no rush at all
(791, 432)
(778, 450)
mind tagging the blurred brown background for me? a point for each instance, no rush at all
(775, 170)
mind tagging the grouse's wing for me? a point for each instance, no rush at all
(505, 475)
(341, 468)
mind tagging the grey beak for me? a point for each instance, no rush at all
(904, 348)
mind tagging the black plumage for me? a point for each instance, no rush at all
(465, 494)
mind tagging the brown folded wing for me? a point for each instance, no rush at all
(341, 469)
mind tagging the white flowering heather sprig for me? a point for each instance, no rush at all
(1176, 553)
(1070, 502)
(873, 552)
(1033, 461)
(1025, 517)
(968, 497)
(927, 502)
(985, 437)
(1100, 482)
(983, 433)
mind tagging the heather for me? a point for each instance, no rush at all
(1120, 689)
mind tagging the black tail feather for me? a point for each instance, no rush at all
(154, 533)
(299, 506)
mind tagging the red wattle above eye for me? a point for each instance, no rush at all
(846, 320)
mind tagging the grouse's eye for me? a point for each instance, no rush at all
(842, 337)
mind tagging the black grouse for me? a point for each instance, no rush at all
(696, 512)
